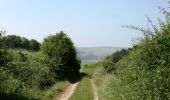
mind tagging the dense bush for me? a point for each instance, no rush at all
(31, 71)
(110, 61)
(145, 72)
(115, 57)
(24, 76)
(62, 54)
(155, 60)
(109, 66)
(34, 45)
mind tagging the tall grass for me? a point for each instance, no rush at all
(103, 82)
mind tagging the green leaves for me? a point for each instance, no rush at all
(62, 55)
(17, 42)
(145, 70)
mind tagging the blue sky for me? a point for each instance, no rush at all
(88, 22)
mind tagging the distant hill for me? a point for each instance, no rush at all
(96, 53)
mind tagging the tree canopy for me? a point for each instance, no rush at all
(3, 52)
(14, 41)
(62, 54)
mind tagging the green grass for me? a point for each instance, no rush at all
(55, 90)
(102, 81)
(106, 84)
(84, 90)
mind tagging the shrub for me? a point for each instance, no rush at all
(109, 66)
(62, 54)
(144, 72)
(110, 61)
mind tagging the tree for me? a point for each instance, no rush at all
(13, 41)
(62, 54)
(25, 43)
(34, 45)
(3, 51)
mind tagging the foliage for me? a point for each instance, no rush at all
(34, 45)
(62, 54)
(109, 66)
(27, 75)
(25, 43)
(3, 51)
(144, 73)
(13, 41)
(118, 55)
(16, 42)
(110, 61)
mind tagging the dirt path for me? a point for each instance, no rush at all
(94, 90)
(67, 92)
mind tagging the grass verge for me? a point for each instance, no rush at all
(106, 84)
(84, 90)
(55, 90)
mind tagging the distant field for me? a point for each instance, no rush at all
(90, 55)
(87, 62)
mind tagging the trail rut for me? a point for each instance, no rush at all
(67, 93)
(94, 90)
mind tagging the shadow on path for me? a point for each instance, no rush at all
(81, 76)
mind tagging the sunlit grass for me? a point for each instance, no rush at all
(84, 90)
(55, 90)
